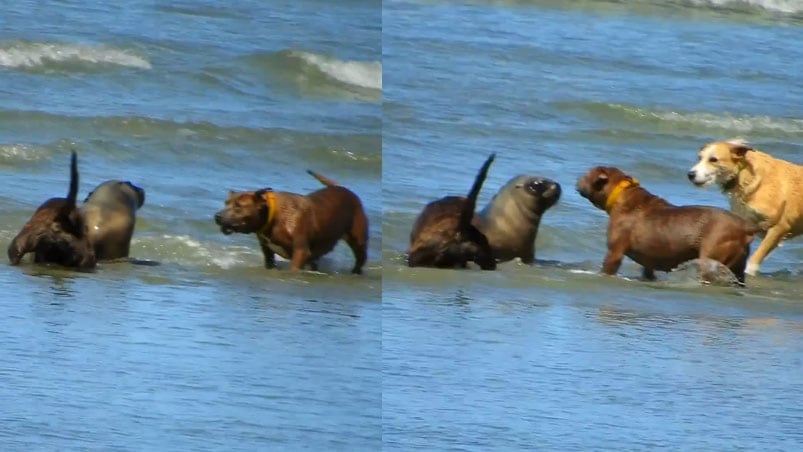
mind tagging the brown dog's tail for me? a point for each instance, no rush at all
(471, 200)
(323, 179)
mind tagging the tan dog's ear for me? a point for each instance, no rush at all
(740, 150)
(261, 192)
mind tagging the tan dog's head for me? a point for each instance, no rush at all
(602, 183)
(245, 212)
(720, 163)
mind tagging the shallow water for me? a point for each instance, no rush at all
(554, 356)
(195, 346)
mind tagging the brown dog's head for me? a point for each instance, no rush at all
(245, 212)
(720, 163)
(602, 185)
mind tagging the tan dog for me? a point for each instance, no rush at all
(443, 235)
(765, 190)
(110, 213)
(301, 228)
(56, 233)
(659, 235)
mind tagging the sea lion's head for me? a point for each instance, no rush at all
(535, 194)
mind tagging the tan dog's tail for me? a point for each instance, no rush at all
(323, 179)
(471, 202)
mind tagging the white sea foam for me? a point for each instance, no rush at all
(185, 248)
(583, 272)
(23, 152)
(366, 74)
(739, 124)
(780, 6)
(37, 55)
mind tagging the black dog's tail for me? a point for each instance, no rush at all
(323, 179)
(471, 202)
(73, 193)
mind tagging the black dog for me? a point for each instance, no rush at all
(56, 232)
(443, 235)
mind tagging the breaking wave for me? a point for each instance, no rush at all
(58, 56)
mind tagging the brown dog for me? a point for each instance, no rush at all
(56, 233)
(301, 228)
(765, 190)
(659, 235)
(443, 235)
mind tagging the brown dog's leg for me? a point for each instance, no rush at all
(270, 256)
(731, 252)
(300, 257)
(648, 274)
(738, 267)
(358, 247)
(616, 252)
(301, 254)
(357, 240)
(612, 263)
(771, 240)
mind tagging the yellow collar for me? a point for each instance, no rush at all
(617, 192)
(270, 197)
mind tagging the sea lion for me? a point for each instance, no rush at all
(510, 220)
(110, 212)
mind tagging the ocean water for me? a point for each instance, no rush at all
(554, 356)
(195, 346)
(202, 348)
